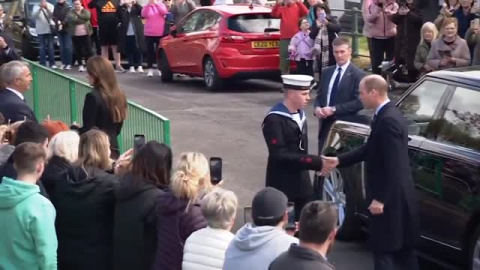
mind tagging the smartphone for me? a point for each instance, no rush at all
(216, 164)
(138, 141)
(291, 216)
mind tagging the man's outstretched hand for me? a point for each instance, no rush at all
(329, 163)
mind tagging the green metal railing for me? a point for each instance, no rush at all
(62, 98)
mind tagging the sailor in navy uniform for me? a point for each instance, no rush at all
(285, 132)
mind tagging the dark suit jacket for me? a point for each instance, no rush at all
(389, 181)
(14, 108)
(347, 100)
(96, 114)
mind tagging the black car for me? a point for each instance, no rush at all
(443, 114)
(19, 22)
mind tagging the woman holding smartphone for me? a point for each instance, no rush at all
(448, 9)
(324, 30)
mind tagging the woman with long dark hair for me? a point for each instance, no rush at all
(105, 106)
(134, 227)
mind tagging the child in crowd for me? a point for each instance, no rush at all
(301, 49)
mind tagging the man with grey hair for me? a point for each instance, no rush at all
(17, 79)
(205, 248)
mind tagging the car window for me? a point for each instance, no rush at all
(253, 23)
(461, 122)
(421, 105)
(207, 21)
(189, 24)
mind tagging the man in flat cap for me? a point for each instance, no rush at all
(285, 132)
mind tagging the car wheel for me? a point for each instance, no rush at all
(164, 66)
(27, 50)
(335, 191)
(474, 258)
(211, 78)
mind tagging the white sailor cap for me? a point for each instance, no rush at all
(296, 82)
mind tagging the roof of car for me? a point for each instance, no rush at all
(238, 9)
(469, 76)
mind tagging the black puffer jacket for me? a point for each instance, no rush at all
(134, 234)
(85, 205)
(176, 221)
(54, 171)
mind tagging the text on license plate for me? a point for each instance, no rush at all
(265, 44)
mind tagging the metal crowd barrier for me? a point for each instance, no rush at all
(62, 97)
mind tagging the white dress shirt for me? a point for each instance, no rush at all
(20, 95)
(332, 80)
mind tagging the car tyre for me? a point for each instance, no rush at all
(339, 191)
(212, 80)
(164, 67)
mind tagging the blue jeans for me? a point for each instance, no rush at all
(46, 43)
(66, 48)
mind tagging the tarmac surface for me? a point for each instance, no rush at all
(228, 124)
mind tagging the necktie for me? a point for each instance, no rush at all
(373, 120)
(333, 93)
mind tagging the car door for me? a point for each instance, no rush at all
(422, 108)
(451, 168)
(201, 41)
(178, 48)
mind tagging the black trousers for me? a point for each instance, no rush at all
(305, 67)
(299, 203)
(83, 48)
(398, 260)
(96, 41)
(382, 50)
(152, 45)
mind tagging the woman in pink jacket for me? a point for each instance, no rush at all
(382, 31)
(154, 13)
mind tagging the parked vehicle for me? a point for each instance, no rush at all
(19, 22)
(222, 42)
(443, 114)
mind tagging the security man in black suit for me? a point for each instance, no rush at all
(337, 97)
(394, 222)
(285, 132)
(17, 79)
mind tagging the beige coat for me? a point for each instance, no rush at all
(458, 50)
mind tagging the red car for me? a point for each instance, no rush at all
(222, 42)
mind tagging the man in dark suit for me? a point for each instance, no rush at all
(17, 79)
(337, 97)
(390, 192)
(318, 223)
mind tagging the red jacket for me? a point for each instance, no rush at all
(289, 16)
(93, 12)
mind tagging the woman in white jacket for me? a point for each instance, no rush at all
(205, 248)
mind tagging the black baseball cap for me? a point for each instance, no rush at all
(269, 204)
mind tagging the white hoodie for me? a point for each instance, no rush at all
(254, 248)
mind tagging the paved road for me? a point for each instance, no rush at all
(227, 124)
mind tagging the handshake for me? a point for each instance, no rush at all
(328, 164)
